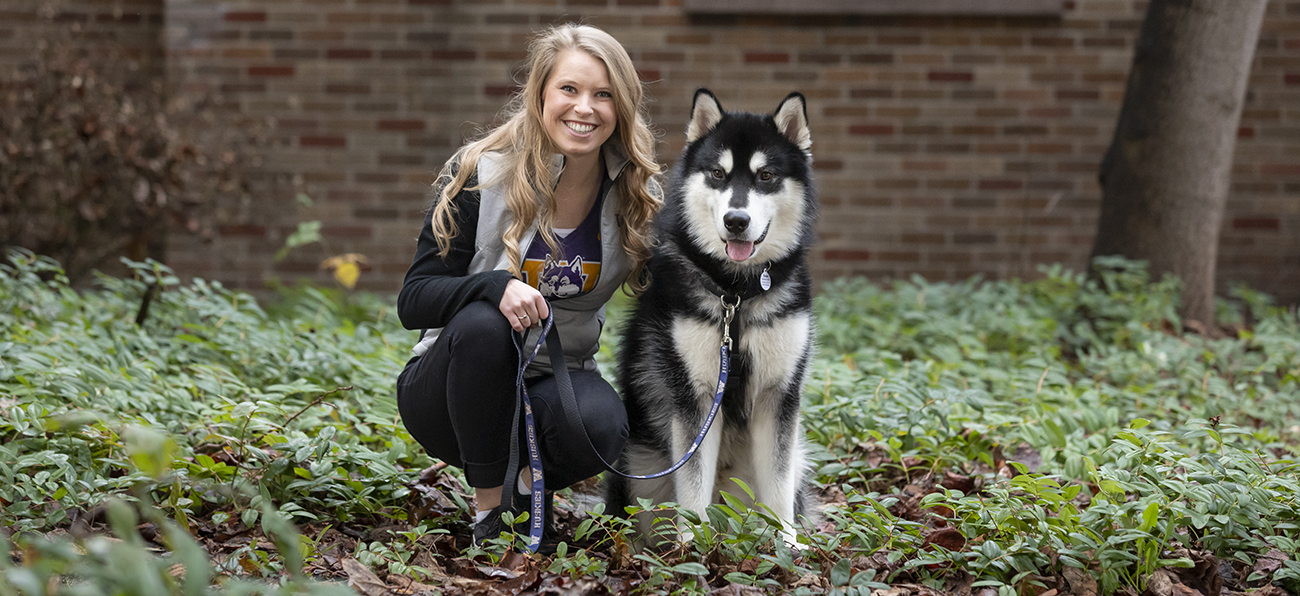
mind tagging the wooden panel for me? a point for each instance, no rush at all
(877, 7)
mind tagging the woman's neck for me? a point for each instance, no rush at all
(580, 172)
(575, 192)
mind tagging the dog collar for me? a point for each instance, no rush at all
(748, 292)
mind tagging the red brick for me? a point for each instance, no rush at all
(663, 56)
(322, 141)
(1051, 112)
(246, 17)
(500, 90)
(900, 40)
(871, 93)
(767, 57)
(1000, 184)
(506, 55)
(1083, 94)
(969, 238)
(295, 123)
(950, 76)
(270, 71)
(400, 125)
(400, 54)
(1256, 223)
(872, 58)
(1280, 169)
(454, 55)
(819, 58)
(1245, 132)
(648, 75)
(1051, 42)
(349, 54)
(846, 255)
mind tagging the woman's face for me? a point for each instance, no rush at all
(578, 104)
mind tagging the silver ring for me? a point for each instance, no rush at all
(522, 317)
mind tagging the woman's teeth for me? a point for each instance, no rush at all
(580, 128)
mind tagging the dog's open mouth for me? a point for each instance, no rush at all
(741, 250)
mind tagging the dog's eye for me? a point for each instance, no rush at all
(765, 175)
(718, 174)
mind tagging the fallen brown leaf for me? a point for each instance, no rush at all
(948, 538)
(1082, 583)
(363, 579)
(1270, 562)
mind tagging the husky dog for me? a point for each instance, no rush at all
(734, 231)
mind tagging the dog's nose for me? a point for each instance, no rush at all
(736, 221)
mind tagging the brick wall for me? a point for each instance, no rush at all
(945, 146)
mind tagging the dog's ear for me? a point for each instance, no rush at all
(706, 112)
(792, 120)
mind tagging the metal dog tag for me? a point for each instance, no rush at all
(765, 280)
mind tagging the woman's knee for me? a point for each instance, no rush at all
(479, 331)
(602, 414)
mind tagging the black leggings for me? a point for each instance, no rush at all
(458, 400)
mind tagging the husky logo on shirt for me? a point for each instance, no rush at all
(561, 279)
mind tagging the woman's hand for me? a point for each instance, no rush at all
(523, 305)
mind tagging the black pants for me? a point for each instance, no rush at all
(458, 401)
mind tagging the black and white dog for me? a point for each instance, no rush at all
(734, 231)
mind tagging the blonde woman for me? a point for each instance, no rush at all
(553, 205)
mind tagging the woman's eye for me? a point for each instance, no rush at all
(605, 94)
(718, 174)
(568, 88)
(765, 175)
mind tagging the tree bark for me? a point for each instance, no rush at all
(1166, 176)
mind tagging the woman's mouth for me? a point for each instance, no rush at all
(580, 128)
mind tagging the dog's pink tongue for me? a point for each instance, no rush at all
(739, 250)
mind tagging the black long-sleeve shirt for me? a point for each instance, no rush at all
(437, 287)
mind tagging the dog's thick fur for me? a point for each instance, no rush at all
(741, 200)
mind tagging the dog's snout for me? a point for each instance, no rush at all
(736, 221)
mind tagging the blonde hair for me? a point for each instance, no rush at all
(528, 152)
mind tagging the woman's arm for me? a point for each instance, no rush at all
(436, 287)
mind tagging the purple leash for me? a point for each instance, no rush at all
(570, 406)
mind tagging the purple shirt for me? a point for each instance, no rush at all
(576, 271)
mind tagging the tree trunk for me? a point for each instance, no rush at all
(1166, 176)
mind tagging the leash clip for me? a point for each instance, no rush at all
(729, 312)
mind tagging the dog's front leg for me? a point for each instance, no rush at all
(694, 480)
(778, 458)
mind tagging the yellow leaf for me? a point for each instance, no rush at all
(347, 274)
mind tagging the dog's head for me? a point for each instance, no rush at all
(746, 181)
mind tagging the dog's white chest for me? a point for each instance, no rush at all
(774, 351)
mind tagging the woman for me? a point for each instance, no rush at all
(553, 205)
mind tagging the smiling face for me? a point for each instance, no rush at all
(578, 104)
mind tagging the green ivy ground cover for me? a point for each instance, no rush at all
(1011, 436)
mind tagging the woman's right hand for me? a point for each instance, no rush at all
(522, 305)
